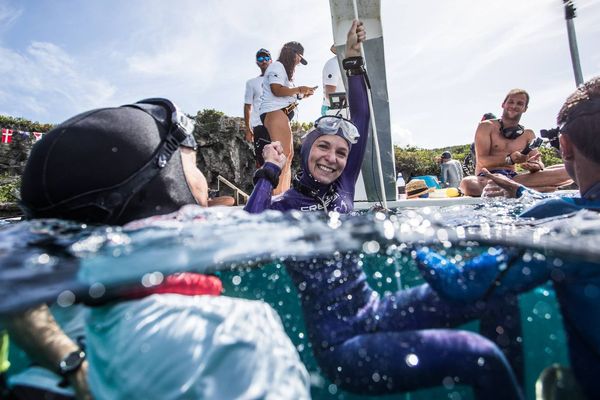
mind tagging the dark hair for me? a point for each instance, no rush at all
(287, 57)
(580, 117)
(518, 91)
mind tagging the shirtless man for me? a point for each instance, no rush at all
(498, 147)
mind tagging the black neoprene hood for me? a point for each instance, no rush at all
(95, 151)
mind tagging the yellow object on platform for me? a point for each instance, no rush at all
(4, 364)
(452, 192)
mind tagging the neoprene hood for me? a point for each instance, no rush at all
(94, 152)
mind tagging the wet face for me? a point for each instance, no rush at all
(567, 154)
(195, 179)
(514, 106)
(327, 158)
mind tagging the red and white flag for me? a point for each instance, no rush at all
(7, 135)
(38, 135)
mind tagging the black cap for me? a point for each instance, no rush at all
(73, 171)
(446, 155)
(298, 49)
(263, 52)
(487, 116)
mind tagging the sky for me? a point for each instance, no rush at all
(447, 62)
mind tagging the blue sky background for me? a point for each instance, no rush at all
(448, 62)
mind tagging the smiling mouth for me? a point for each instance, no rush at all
(325, 168)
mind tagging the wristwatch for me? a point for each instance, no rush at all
(69, 364)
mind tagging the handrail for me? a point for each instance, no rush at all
(237, 191)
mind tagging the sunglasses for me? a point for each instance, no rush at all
(331, 124)
(263, 58)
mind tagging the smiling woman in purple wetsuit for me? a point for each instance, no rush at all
(363, 342)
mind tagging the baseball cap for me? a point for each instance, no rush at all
(298, 49)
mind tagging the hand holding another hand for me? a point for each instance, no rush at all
(273, 153)
(499, 185)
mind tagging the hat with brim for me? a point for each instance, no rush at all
(416, 188)
(298, 49)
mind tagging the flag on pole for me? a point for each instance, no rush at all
(38, 135)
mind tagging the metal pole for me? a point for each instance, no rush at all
(373, 125)
(569, 16)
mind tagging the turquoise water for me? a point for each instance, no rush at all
(249, 252)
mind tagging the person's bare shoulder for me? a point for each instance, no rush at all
(484, 129)
(529, 134)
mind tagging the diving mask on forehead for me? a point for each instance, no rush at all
(332, 124)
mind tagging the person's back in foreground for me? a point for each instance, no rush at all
(179, 339)
(364, 343)
(577, 284)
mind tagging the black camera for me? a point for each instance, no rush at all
(552, 136)
(534, 144)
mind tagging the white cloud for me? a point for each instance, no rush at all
(401, 136)
(46, 79)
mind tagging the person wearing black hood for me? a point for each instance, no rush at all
(363, 342)
(129, 166)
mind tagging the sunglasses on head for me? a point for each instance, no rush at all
(263, 58)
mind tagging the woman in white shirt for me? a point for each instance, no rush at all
(279, 100)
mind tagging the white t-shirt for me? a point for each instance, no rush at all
(332, 76)
(252, 96)
(269, 102)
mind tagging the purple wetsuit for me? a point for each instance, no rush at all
(376, 345)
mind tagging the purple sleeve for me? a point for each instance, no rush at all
(260, 199)
(359, 112)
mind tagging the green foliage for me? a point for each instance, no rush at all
(9, 189)
(414, 161)
(298, 126)
(550, 156)
(23, 124)
(209, 119)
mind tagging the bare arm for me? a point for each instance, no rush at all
(37, 333)
(283, 91)
(249, 133)
(329, 89)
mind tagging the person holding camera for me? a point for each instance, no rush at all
(279, 100)
(502, 144)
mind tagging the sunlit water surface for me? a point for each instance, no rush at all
(248, 252)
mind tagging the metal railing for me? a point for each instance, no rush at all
(237, 192)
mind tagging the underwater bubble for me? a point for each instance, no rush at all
(43, 259)
(448, 382)
(411, 360)
(377, 275)
(337, 273)
(236, 280)
(66, 299)
(442, 235)
(481, 361)
(152, 279)
(97, 290)
(333, 389)
(388, 230)
(376, 377)
(371, 247)
(114, 149)
(557, 262)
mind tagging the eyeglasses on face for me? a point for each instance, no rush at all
(263, 58)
